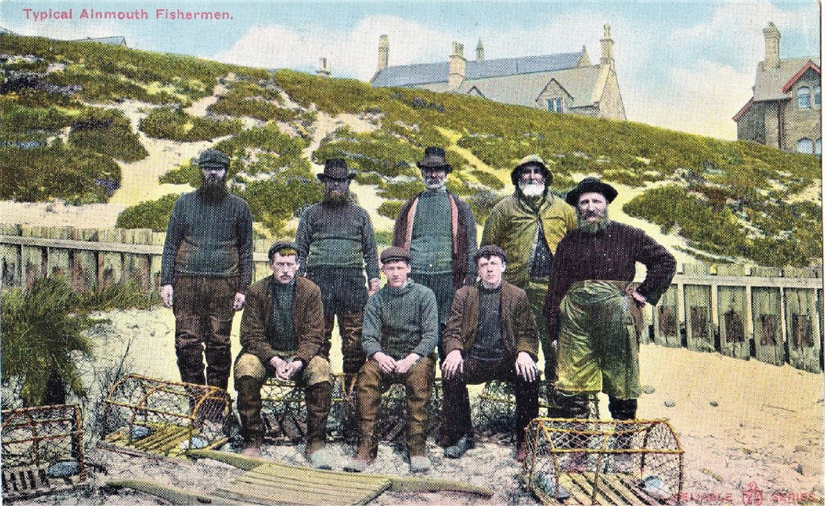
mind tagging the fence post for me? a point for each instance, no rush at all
(698, 315)
(84, 264)
(767, 319)
(10, 257)
(59, 260)
(666, 328)
(32, 258)
(136, 266)
(732, 309)
(109, 264)
(801, 310)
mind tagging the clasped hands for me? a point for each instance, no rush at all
(388, 365)
(284, 371)
(525, 367)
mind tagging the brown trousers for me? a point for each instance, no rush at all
(203, 321)
(349, 326)
(250, 375)
(372, 383)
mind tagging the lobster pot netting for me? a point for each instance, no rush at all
(42, 450)
(148, 415)
(603, 462)
(494, 411)
(284, 412)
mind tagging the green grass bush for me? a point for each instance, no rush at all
(174, 124)
(390, 209)
(152, 214)
(107, 131)
(60, 171)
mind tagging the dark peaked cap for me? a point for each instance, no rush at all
(590, 185)
(335, 168)
(434, 158)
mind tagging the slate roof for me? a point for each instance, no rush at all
(578, 82)
(769, 83)
(430, 73)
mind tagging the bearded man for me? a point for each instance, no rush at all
(205, 270)
(527, 226)
(593, 308)
(439, 231)
(336, 243)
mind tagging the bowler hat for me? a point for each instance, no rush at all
(434, 158)
(590, 185)
(490, 250)
(279, 246)
(394, 253)
(531, 160)
(336, 168)
(213, 158)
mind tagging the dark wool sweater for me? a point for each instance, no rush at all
(610, 254)
(337, 236)
(208, 237)
(400, 321)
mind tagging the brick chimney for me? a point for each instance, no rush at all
(607, 47)
(772, 37)
(458, 66)
(383, 52)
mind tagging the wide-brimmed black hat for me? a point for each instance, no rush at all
(279, 246)
(394, 253)
(336, 168)
(590, 185)
(213, 158)
(489, 250)
(531, 160)
(434, 158)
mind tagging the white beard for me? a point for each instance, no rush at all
(531, 190)
(433, 185)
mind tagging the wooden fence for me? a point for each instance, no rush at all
(774, 315)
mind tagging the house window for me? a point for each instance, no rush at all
(803, 97)
(817, 97)
(818, 147)
(805, 146)
(554, 104)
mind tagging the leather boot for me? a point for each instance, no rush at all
(318, 401)
(249, 409)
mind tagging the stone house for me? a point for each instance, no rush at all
(785, 111)
(563, 82)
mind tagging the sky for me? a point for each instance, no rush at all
(682, 65)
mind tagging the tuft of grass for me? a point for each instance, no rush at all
(107, 131)
(174, 124)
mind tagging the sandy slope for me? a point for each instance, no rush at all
(739, 423)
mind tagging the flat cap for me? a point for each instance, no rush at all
(279, 246)
(213, 158)
(394, 253)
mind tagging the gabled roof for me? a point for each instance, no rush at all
(745, 108)
(770, 84)
(809, 65)
(428, 73)
(578, 82)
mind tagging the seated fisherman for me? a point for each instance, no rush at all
(282, 334)
(399, 334)
(490, 334)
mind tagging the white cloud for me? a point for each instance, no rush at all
(353, 54)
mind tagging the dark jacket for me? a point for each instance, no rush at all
(518, 328)
(307, 320)
(610, 254)
(464, 237)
